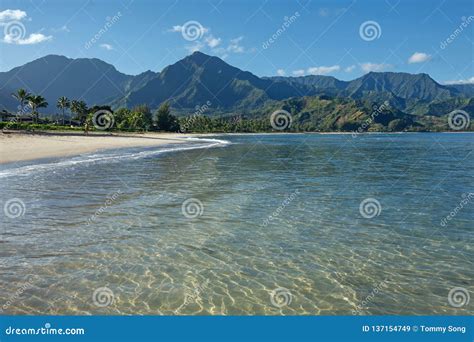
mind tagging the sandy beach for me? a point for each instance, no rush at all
(21, 147)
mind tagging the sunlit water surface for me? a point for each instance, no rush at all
(279, 212)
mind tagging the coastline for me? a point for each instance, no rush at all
(19, 147)
(22, 146)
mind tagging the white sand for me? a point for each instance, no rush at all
(19, 147)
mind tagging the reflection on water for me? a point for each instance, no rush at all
(279, 230)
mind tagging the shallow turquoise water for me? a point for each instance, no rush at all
(272, 213)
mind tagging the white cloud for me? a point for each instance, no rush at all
(11, 15)
(467, 81)
(212, 42)
(368, 67)
(350, 68)
(63, 28)
(281, 72)
(15, 32)
(235, 46)
(323, 70)
(176, 28)
(419, 57)
(196, 46)
(326, 12)
(209, 42)
(106, 46)
(179, 28)
(323, 12)
(299, 72)
(34, 38)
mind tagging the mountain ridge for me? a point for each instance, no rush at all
(200, 78)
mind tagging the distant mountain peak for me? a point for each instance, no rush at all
(201, 59)
(199, 78)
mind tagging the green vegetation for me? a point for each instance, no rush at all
(21, 96)
(321, 113)
(138, 119)
(63, 104)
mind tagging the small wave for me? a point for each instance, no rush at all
(108, 157)
(220, 141)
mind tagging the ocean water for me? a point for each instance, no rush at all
(300, 224)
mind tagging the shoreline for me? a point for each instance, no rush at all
(21, 146)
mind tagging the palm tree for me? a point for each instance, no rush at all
(63, 103)
(80, 109)
(21, 96)
(35, 102)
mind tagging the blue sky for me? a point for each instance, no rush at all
(319, 37)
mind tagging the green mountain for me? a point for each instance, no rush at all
(317, 102)
(52, 76)
(199, 78)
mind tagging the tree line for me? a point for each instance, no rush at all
(139, 118)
